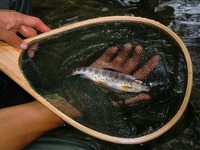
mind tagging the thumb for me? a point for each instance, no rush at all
(13, 40)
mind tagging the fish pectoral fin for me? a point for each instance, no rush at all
(84, 76)
(125, 87)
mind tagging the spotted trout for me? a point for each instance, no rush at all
(112, 79)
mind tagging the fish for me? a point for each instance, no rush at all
(111, 79)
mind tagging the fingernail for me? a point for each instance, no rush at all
(48, 29)
(24, 45)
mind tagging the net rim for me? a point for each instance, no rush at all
(119, 140)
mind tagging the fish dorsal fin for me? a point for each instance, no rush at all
(110, 69)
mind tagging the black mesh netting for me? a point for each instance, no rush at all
(46, 62)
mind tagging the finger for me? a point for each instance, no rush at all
(138, 98)
(32, 50)
(147, 68)
(35, 23)
(108, 54)
(123, 55)
(12, 39)
(104, 60)
(27, 31)
(133, 62)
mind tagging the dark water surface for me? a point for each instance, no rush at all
(182, 16)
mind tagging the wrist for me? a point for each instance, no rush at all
(43, 116)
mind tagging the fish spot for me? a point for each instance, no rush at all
(129, 80)
(122, 76)
(104, 72)
(90, 69)
(111, 74)
(96, 71)
(116, 75)
(84, 68)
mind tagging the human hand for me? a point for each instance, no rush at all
(123, 63)
(12, 22)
